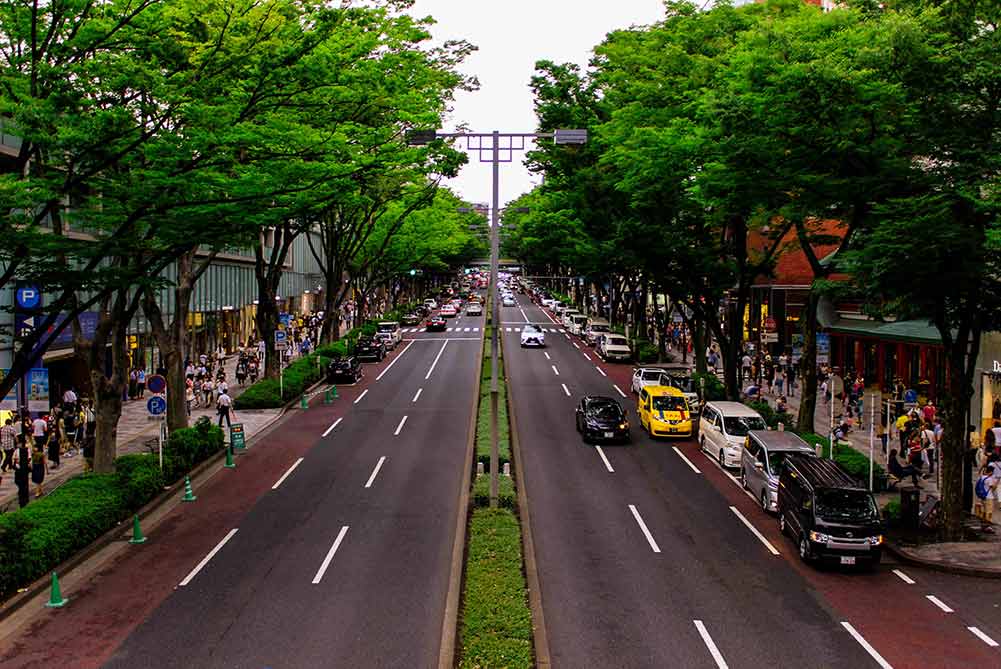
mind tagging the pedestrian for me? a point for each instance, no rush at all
(22, 469)
(901, 425)
(901, 471)
(7, 445)
(189, 395)
(133, 384)
(791, 380)
(38, 470)
(69, 399)
(39, 428)
(189, 372)
(90, 417)
(986, 491)
(141, 382)
(223, 405)
(53, 447)
(207, 388)
(222, 386)
(928, 412)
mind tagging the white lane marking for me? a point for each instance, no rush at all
(939, 603)
(710, 644)
(547, 355)
(546, 314)
(448, 329)
(286, 474)
(562, 331)
(904, 577)
(865, 644)
(375, 472)
(205, 560)
(517, 329)
(576, 346)
(608, 465)
(466, 329)
(359, 398)
(646, 532)
(330, 555)
(983, 637)
(523, 314)
(424, 329)
(565, 389)
(419, 391)
(334, 424)
(687, 461)
(400, 426)
(753, 529)
(395, 360)
(567, 336)
(587, 356)
(600, 370)
(618, 390)
(435, 363)
(507, 329)
(476, 329)
(556, 371)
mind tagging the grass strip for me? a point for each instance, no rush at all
(483, 412)
(506, 495)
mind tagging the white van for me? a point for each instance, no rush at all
(577, 324)
(389, 332)
(567, 315)
(723, 427)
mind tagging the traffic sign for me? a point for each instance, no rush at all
(281, 340)
(156, 405)
(156, 384)
(770, 323)
(28, 296)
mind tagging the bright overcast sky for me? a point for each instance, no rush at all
(512, 35)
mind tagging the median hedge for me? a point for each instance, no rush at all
(496, 628)
(37, 538)
(483, 412)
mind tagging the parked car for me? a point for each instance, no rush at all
(595, 329)
(686, 384)
(664, 412)
(723, 426)
(577, 324)
(347, 368)
(601, 419)
(567, 314)
(474, 309)
(614, 347)
(413, 318)
(436, 324)
(827, 513)
(761, 462)
(532, 335)
(370, 347)
(430, 304)
(509, 301)
(390, 332)
(648, 376)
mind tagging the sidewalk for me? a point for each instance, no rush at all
(136, 427)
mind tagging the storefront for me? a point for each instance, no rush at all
(986, 405)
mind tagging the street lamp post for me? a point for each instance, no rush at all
(492, 154)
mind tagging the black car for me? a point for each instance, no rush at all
(412, 318)
(601, 419)
(346, 368)
(437, 324)
(369, 347)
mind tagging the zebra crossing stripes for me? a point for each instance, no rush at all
(455, 329)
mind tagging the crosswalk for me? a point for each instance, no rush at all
(471, 329)
(560, 330)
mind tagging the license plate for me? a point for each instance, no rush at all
(672, 429)
(608, 435)
(847, 559)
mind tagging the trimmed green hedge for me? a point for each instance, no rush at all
(646, 351)
(771, 416)
(483, 412)
(852, 461)
(714, 388)
(37, 538)
(506, 496)
(496, 623)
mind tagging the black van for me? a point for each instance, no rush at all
(827, 513)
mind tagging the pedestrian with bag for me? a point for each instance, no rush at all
(985, 492)
(38, 470)
(7, 445)
(223, 406)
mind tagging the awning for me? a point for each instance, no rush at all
(912, 331)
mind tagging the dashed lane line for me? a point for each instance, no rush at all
(400, 426)
(394, 361)
(687, 461)
(565, 389)
(983, 637)
(711, 645)
(555, 371)
(205, 560)
(600, 370)
(608, 465)
(643, 527)
(286, 474)
(375, 472)
(334, 424)
(330, 555)
(867, 646)
(904, 577)
(359, 398)
(754, 530)
(436, 359)
(939, 603)
(618, 390)
(418, 394)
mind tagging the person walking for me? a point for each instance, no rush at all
(22, 469)
(39, 428)
(141, 382)
(223, 406)
(53, 446)
(38, 470)
(7, 444)
(90, 417)
(189, 395)
(207, 387)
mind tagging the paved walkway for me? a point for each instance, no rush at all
(136, 429)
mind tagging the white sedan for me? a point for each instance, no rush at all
(532, 335)
(649, 376)
(474, 309)
(447, 311)
(509, 301)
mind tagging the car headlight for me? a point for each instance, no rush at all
(876, 540)
(624, 425)
(819, 537)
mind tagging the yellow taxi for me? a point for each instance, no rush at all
(664, 412)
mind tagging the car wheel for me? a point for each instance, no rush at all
(764, 501)
(783, 528)
(722, 460)
(804, 548)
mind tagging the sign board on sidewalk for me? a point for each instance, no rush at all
(284, 318)
(823, 348)
(8, 403)
(156, 384)
(38, 389)
(236, 435)
(156, 405)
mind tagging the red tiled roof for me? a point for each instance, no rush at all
(792, 267)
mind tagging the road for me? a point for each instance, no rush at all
(644, 561)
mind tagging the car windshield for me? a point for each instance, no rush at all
(605, 411)
(652, 375)
(683, 383)
(846, 505)
(599, 328)
(669, 403)
(387, 327)
(531, 328)
(739, 426)
(616, 341)
(775, 460)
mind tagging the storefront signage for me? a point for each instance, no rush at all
(997, 367)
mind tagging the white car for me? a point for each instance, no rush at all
(549, 302)
(389, 332)
(474, 309)
(723, 427)
(532, 335)
(648, 376)
(430, 304)
(577, 324)
(447, 311)
(613, 347)
(508, 301)
(567, 315)
(594, 331)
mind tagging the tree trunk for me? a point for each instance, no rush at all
(266, 320)
(808, 365)
(699, 346)
(962, 363)
(108, 390)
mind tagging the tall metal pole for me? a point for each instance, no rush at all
(495, 322)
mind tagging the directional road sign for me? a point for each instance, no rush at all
(156, 405)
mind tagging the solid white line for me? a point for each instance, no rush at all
(333, 425)
(363, 393)
(646, 532)
(618, 390)
(435, 363)
(419, 391)
(983, 637)
(330, 555)
(523, 314)
(608, 465)
(375, 472)
(587, 356)
(390, 366)
(448, 329)
(710, 644)
(904, 577)
(555, 370)
(753, 529)
(286, 474)
(939, 603)
(400, 426)
(547, 355)
(868, 648)
(600, 370)
(687, 461)
(576, 346)
(205, 560)
(565, 389)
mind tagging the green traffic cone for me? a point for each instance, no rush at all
(137, 533)
(189, 495)
(55, 594)
(334, 389)
(229, 457)
(327, 396)
(303, 403)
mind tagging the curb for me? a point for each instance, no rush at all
(963, 570)
(450, 622)
(17, 601)
(541, 639)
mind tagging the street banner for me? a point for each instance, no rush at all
(9, 403)
(38, 390)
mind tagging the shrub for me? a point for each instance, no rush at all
(189, 446)
(646, 351)
(891, 512)
(714, 388)
(262, 395)
(140, 478)
(506, 496)
(771, 416)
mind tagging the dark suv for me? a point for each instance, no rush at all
(346, 368)
(601, 419)
(827, 513)
(369, 347)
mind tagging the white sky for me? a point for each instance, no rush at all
(512, 35)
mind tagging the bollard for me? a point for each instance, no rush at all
(334, 388)
(137, 533)
(479, 469)
(507, 469)
(303, 402)
(189, 495)
(327, 397)
(55, 594)
(229, 457)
